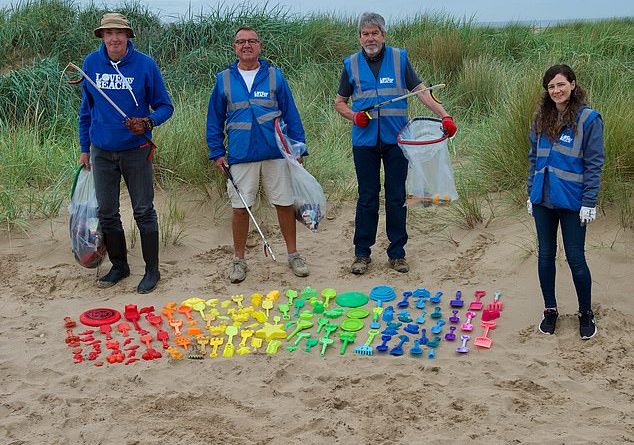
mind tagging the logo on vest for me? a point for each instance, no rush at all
(261, 94)
(566, 138)
(386, 80)
(107, 81)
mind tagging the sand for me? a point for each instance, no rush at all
(527, 389)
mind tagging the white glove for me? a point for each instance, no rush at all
(587, 215)
(529, 207)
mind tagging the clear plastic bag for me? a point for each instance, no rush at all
(430, 179)
(86, 239)
(310, 201)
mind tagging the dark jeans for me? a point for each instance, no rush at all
(547, 222)
(108, 168)
(367, 163)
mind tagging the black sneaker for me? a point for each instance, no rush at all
(587, 327)
(549, 322)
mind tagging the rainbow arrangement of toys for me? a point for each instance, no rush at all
(302, 320)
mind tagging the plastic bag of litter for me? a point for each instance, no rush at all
(86, 239)
(430, 179)
(310, 201)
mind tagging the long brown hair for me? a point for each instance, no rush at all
(548, 120)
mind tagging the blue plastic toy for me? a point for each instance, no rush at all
(421, 292)
(423, 338)
(411, 329)
(457, 302)
(437, 328)
(404, 316)
(404, 302)
(388, 314)
(382, 293)
(398, 349)
(436, 298)
(383, 346)
(436, 314)
(432, 354)
(433, 343)
(416, 349)
(421, 319)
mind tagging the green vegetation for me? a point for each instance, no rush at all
(494, 77)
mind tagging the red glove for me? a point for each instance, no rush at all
(361, 119)
(449, 126)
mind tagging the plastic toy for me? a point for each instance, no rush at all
(256, 343)
(490, 314)
(477, 304)
(392, 328)
(416, 349)
(215, 342)
(457, 302)
(420, 303)
(376, 313)
(256, 299)
(273, 295)
(187, 312)
(267, 305)
(330, 328)
(381, 294)
(310, 343)
(99, 316)
(411, 329)
(272, 346)
(454, 318)
(484, 341)
(421, 292)
(496, 305)
(463, 347)
(301, 325)
(291, 295)
(351, 324)
(351, 299)
(421, 319)
(433, 343)
(106, 329)
(150, 353)
(298, 340)
(404, 303)
(346, 338)
(404, 316)
(245, 334)
(383, 346)
(398, 349)
(388, 314)
(467, 326)
(308, 293)
(366, 349)
(437, 328)
(199, 307)
(358, 313)
(437, 313)
(328, 294)
(229, 349)
(431, 354)
(436, 298)
(325, 341)
(299, 304)
(321, 323)
(451, 336)
(271, 331)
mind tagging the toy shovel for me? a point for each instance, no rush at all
(477, 304)
(131, 313)
(301, 325)
(485, 341)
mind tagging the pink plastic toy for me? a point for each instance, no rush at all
(467, 326)
(485, 341)
(477, 304)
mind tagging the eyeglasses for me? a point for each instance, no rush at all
(242, 42)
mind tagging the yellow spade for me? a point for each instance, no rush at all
(229, 348)
(267, 305)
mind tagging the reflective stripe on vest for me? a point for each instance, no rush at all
(271, 102)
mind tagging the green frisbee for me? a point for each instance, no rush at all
(351, 299)
(358, 312)
(351, 324)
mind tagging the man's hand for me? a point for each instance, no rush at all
(220, 163)
(449, 126)
(139, 125)
(84, 159)
(587, 215)
(529, 207)
(361, 119)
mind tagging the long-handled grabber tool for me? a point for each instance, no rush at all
(430, 88)
(267, 246)
(111, 102)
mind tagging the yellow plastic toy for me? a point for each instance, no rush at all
(216, 331)
(214, 342)
(273, 295)
(259, 316)
(271, 331)
(229, 349)
(244, 336)
(237, 299)
(212, 302)
(256, 300)
(175, 353)
(256, 343)
(202, 343)
(272, 346)
(199, 307)
(267, 305)
(225, 304)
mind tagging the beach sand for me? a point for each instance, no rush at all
(527, 389)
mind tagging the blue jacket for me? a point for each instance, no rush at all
(368, 91)
(99, 123)
(567, 173)
(247, 117)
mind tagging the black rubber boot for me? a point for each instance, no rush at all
(150, 247)
(118, 254)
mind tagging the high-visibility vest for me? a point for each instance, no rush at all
(563, 162)
(368, 90)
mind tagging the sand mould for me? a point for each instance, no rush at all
(529, 388)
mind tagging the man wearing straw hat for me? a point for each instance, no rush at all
(114, 148)
(371, 76)
(244, 102)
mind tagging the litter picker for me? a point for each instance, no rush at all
(430, 88)
(74, 67)
(267, 246)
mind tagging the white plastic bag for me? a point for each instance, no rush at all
(86, 239)
(310, 201)
(430, 179)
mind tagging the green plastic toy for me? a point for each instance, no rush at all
(328, 294)
(352, 299)
(346, 338)
(358, 312)
(351, 324)
(301, 325)
(284, 308)
(325, 341)
(291, 295)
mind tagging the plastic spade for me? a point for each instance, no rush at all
(383, 346)
(398, 349)
(325, 341)
(131, 313)
(284, 308)
(450, 336)
(404, 303)
(310, 343)
(123, 327)
(436, 298)
(267, 305)
(454, 318)
(477, 304)
(106, 329)
(484, 341)
(162, 336)
(346, 338)
(463, 347)
(301, 325)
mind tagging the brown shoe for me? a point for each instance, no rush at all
(399, 265)
(360, 265)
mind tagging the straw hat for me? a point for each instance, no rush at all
(114, 20)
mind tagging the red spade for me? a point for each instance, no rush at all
(106, 329)
(123, 327)
(131, 313)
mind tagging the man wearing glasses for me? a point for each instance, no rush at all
(244, 102)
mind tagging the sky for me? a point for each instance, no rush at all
(481, 11)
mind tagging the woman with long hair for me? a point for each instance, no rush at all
(565, 164)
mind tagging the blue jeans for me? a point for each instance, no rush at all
(547, 222)
(108, 167)
(367, 163)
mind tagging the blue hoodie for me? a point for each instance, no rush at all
(249, 125)
(99, 123)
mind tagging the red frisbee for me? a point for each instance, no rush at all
(99, 316)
